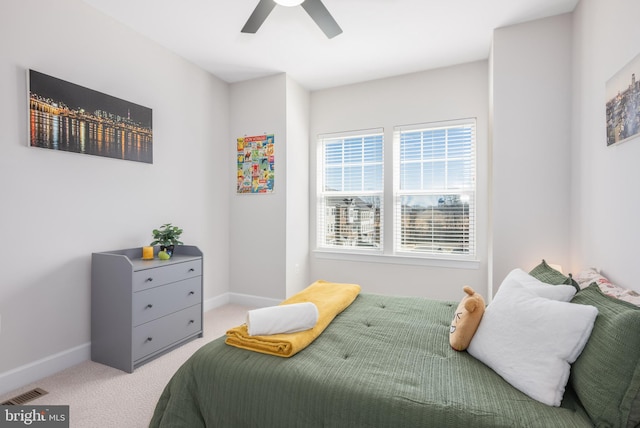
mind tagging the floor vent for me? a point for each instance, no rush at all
(25, 398)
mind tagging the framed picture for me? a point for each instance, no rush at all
(255, 164)
(67, 117)
(623, 104)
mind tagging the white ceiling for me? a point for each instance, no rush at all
(381, 38)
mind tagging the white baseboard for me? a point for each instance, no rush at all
(32, 372)
(239, 299)
(47, 366)
(215, 302)
(254, 301)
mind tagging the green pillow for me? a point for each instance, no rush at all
(606, 376)
(545, 273)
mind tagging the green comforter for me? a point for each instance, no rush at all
(383, 362)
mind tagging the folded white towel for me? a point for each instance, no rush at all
(282, 319)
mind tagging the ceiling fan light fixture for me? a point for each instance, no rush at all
(315, 8)
(289, 3)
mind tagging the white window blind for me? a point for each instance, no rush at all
(434, 189)
(350, 190)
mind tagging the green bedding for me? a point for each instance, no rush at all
(383, 362)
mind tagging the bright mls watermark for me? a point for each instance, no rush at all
(34, 416)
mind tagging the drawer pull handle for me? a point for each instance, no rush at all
(192, 270)
(149, 339)
(191, 293)
(191, 321)
(149, 306)
(149, 279)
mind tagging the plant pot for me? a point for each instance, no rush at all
(168, 249)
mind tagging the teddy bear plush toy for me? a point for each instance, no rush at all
(466, 319)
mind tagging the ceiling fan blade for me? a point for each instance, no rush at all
(319, 13)
(260, 13)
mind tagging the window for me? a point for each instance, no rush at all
(350, 194)
(434, 189)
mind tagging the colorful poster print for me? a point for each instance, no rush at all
(255, 164)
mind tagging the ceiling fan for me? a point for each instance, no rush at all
(315, 8)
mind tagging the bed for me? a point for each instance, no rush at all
(386, 362)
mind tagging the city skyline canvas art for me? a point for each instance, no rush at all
(67, 117)
(623, 103)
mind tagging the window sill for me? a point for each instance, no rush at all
(397, 259)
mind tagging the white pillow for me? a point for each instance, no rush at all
(554, 292)
(531, 341)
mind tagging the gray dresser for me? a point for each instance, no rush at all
(141, 309)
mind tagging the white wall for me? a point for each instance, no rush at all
(448, 93)
(297, 211)
(269, 249)
(531, 132)
(58, 207)
(604, 189)
(257, 222)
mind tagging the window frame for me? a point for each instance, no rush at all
(322, 194)
(388, 252)
(468, 192)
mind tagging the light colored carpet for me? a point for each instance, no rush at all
(101, 396)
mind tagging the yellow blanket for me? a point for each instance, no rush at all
(331, 298)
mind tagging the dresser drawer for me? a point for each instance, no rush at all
(148, 278)
(156, 335)
(156, 302)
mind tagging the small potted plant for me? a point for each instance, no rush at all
(167, 237)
